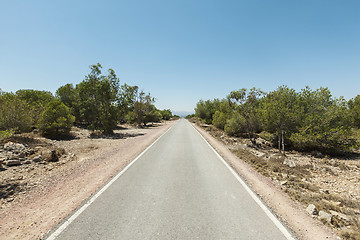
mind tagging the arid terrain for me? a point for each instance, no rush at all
(52, 178)
(39, 192)
(327, 188)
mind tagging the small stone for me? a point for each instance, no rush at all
(289, 163)
(22, 155)
(325, 216)
(283, 182)
(37, 158)
(16, 147)
(312, 210)
(13, 162)
(38, 148)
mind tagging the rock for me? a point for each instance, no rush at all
(30, 152)
(325, 216)
(49, 156)
(289, 163)
(283, 182)
(37, 148)
(27, 162)
(312, 210)
(13, 162)
(15, 147)
(37, 158)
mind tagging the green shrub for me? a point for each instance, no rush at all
(6, 134)
(236, 125)
(166, 114)
(56, 119)
(36, 100)
(14, 113)
(219, 120)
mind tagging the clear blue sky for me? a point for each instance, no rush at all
(185, 50)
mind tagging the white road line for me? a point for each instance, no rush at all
(272, 217)
(103, 189)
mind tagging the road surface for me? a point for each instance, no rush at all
(179, 188)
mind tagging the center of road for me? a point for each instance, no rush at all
(178, 188)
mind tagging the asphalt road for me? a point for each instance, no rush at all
(178, 189)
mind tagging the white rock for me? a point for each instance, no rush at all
(312, 210)
(326, 216)
(13, 162)
(289, 163)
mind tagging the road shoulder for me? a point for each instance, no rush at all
(44, 208)
(292, 214)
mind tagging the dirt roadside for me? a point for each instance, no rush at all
(290, 212)
(59, 188)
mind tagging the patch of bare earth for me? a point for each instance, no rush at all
(289, 185)
(37, 194)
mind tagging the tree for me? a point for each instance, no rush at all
(354, 107)
(166, 114)
(152, 114)
(141, 106)
(126, 101)
(97, 99)
(206, 109)
(246, 104)
(56, 119)
(69, 96)
(279, 113)
(325, 123)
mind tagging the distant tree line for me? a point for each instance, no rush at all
(99, 102)
(307, 120)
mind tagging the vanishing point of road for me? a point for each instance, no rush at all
(179, 188)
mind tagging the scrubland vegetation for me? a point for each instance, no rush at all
(99, 103)
(309, 120)
(317, 137)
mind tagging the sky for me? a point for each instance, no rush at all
(182, 51)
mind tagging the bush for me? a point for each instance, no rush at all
(14, 113)
(56, 119)
(36, 100)
(166, 114)
(6, 134)
(219, 120)
(236, 125)
(205, 109)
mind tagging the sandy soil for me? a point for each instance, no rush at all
(48, 192)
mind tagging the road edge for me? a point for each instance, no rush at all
(254, 180)
(59, 228)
